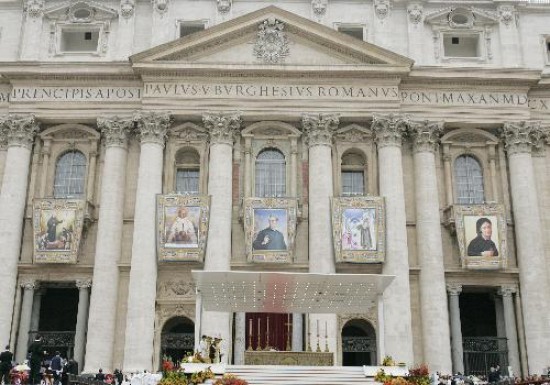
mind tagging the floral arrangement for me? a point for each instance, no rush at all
(416, 376)
(388, 361)
(230, 379)
(174, 376)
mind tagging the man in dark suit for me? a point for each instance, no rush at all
(6, 357)
(57, 367)
(270, 238)
(37, 356)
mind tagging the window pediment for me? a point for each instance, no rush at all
(270, 129)
(189, 132)
(353, 133)
(70, 132)
(81, 12)
(467, 136)
(461, 17)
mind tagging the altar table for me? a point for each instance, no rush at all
(253, 357)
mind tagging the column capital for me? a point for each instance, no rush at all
(454, 289)
(389, 129)
(83, 283)
(19, 130)
(425, 135)
(152, 126)
(34, 8)
(507, 290)
(319, 128)
(521, 137)
(222, 126)
(28, 284)
(115, 130)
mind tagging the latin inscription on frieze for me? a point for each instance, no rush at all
(270, 91)
(75, 94)
(465, 98)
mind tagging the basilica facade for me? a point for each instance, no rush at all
(142, 140)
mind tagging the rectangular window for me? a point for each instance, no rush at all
(187, 181)
(357, 32)
(79, 40)
(461, 45)
(353, 183)
(188, 28)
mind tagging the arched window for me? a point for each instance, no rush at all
(70, 175)
(353, 174)
(187, 171)
(270, 174)
(468, 180)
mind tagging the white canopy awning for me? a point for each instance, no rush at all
(279, 292)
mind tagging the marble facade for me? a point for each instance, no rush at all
(314, 94)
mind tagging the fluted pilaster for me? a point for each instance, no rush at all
(319, 129)
(456, 328)
(389, 131)
(436, 338)
(28, 285)
(519, 139)
(507, 292)
(221, 127)
(103, 302)
(140, 318)
(83, 286)
(19, 132)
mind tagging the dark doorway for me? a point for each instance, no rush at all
(482, 346)
(358, 343)
(57, 322)
(177, 338)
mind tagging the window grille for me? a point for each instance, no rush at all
(353, 183)
(70, 175)
(187, 181)
(468, 180)
(270, 174)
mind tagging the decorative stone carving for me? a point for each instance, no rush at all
(161, 6)
(177, 311)
(179, 288)
(152, 126)
(416, 12)
(507, 14)
(127, 8)
(271, 42)
(224, 6)
(319, 7)
(3, 139)
(454, 289)
(29, 284)
(382, 8)
(34, 8)
(319, 128)
(520, 137)
(507, 290)
(84, 283)
(425, 135)
(222, 126)
(115, 130)
(389, 129)
(19, 130)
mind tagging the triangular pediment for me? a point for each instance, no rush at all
(270, 37)
(80, 11)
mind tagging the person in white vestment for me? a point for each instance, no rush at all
(183, 230)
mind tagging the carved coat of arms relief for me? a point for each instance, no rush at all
(271, 42)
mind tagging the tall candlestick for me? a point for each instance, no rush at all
(259, 344)
(267, 335)
(250, 334)
(326, 336)
(318, 349)
(317, 328)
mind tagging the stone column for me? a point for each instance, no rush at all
(297, 332)
(36, 305)
(142, 292)
(240, 337)
(126, 26)
(104, 299)
(448, 177)
(521, 336)
(20, 131)
(25, 321)
(83, 286)
(436, 339)
(33, 37)
(222, 127)
(456, 328)
(507, 293)
(389, 131)
(519, 138)
(319, 129)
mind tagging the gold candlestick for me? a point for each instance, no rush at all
(259, 344)
(309, 336)
(318, 349)
(250, 334)
(267, 335)
(287, 348)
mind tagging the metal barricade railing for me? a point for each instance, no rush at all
(480, 353)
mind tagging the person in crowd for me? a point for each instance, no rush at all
(56, 366)
(482, 245)
(100, 376)
(6, 358)
(118, 376)
(36, 351)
